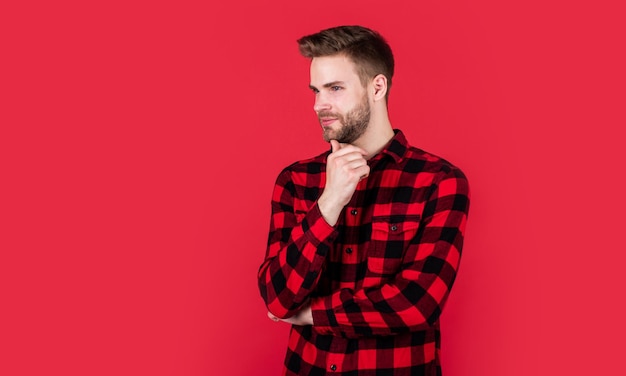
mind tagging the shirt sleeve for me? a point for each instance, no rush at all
(299, 241)
(413, 299)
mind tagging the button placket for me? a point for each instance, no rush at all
(334, 362)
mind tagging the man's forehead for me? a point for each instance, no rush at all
(326, 69)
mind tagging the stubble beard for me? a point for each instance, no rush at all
(353, 124)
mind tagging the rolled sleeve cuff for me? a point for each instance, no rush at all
(324, 320)
(316, 227)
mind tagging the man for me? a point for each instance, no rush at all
(365, 239)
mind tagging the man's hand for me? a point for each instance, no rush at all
(345, 167)
(304, 317)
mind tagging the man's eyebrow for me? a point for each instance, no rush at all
(334, 83)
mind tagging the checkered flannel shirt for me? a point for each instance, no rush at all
(378, 279)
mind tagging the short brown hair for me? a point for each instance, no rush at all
(367, 49)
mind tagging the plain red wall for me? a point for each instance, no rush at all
(140, 142)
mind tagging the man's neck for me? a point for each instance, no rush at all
(375, 138)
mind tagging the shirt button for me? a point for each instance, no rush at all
(394, 227)
(353, 212)
(349, 250)
(333, 367)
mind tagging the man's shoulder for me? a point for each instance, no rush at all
(305, 172)
(419, 160)
(316, 164)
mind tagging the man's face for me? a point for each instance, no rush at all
(341, 101)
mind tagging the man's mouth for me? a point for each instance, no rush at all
(326, 122)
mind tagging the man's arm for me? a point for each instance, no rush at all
(413, 300)
(298, 244)
(297, 247)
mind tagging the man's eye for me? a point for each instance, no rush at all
(335, 88)
(315, 91)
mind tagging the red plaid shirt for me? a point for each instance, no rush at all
(378, 279)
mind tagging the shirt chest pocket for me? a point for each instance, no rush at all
(389, 241)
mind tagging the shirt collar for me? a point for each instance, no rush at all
(397, 147)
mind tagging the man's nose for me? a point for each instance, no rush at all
(321, 104)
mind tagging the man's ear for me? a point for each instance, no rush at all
(379, 84)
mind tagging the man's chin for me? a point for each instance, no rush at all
(328, 135)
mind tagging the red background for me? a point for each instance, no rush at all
(140, 142)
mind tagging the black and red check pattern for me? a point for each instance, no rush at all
(376, 281)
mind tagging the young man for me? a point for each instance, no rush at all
(365, 239)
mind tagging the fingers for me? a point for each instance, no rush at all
(272, 317)
(353, 171)
(350, 160)
(346, 161)
(362, 171)
(345, 167)
(354, 164)
(344, 149)
(345, 154)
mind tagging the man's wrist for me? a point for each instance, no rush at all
(328, 210)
